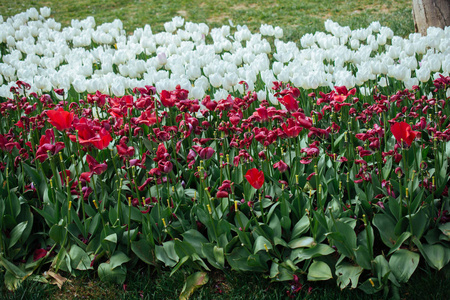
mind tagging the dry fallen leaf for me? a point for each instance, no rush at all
(54, 278)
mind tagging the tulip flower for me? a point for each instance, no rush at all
(281, 166)
(402, 132)
(60, 118)
(255, 178)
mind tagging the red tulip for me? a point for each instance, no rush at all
(402, 132)
(60, 118)
(95, 166)
(255, 178)
(289, 102)
(281, 165)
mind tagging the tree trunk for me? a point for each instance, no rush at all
(430, 13)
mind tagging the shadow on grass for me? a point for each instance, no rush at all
(148, 284)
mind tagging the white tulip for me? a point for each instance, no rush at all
(197, 92)
(45, 11)
(79, 85)
(215, 80)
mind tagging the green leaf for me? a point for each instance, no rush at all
(305, 241)
(194, 238)
(57, 233)
(347, 273)
(419, 222)
(79, 258)
(16, 233)
(386, 226)
(192, 283)
(119, 258)
(143, 250)
(319, 271)
(401, 239)
(445, 228)
(387, 168)
(437, 255)
(107, 274)
(179, 264)
(12, 283)
(344, 238)
(371, 286)
(403, 263)
(301, 227)
(162, 256)
(13, 269)
(261, 243)
(315, 251)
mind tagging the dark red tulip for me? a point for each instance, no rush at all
(281, 166)
(39, 253)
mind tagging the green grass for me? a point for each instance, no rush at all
(295, 17)
(145, 284)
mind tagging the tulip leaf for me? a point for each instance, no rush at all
(194, 238)
(301, 227)
(401, 239)
(119, 258)
(344, 238)
(108, 274)
(386, 225)
(387, 168)
(79, 258)
(347, 273)
(403, 263)
(319, 271)
(261, 243)
(437, 256)
(302, 242)
(16, 233)
(143, 250)
(193, 282)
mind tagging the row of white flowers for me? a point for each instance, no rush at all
(39, 51)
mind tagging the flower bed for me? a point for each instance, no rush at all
(185, 148)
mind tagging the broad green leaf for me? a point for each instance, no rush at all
(192, 283)
(301, 227)
(305, 241)
(386, 226)
(347, 273)
(107, 274)
(344, 238)
(12, 283)
(319, 271)
(445, 228)
(162, 256)
(307, 253)
(436, 255)
(371, 286)
(420, 222)
(119, 258)
(16, 233)
(57, 233)
(79, 258)
(403, 263)
(194, 238)
(261, 243)
(401, 239)
(13, 269)
(143, 250)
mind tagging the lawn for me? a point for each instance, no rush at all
(295, 17)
